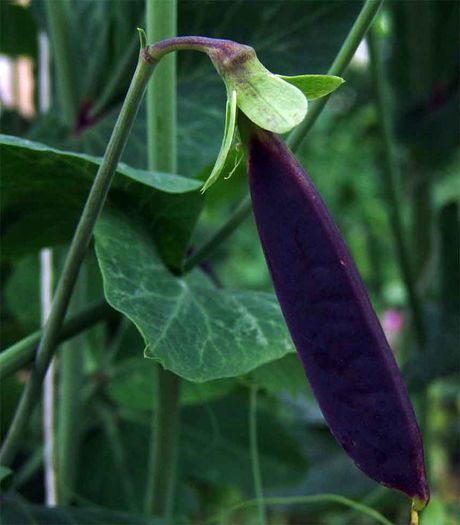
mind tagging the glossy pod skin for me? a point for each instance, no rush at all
(339, 339)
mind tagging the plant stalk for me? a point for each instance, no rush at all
(69, 401)
(22, 353)
(317, 499)
(56, 13)
(161, 19)
(392, 191)
(343, 58)
(159, 496)
(74, 259)
(256, 473)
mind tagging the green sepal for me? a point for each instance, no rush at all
(142, 37)
(227, 141)
(269, 101)
(314, 86)
(266, 99)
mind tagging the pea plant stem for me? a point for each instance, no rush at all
(304, 500)
(74, 259)
(161, 19)
(21, 353)
(236, 218)
(391, 188)
(343, 58)
(255, 464)
(58, 26)
(345, 54)
(69, 400)
(159, 496)
(161, 93)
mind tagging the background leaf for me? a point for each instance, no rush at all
(18, 31)
(132, 385)
(16, 510)
(43, 191)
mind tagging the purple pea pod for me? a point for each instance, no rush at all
(341, 344)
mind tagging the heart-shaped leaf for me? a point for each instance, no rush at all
(199, 332)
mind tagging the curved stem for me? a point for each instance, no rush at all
(196, 43)
(351, 43)
(79, 244)
(317, 498)
(256, 474)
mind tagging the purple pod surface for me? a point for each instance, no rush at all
(341, 344)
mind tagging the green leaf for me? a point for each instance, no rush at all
(6, 475)
(215, 440)
(16, 509)
(15, 150)
(44, 189)
(229, 133)
(18, 30)
(22, 285)
(315, 86)
(132, 385)
(283, 375)
(197, 331)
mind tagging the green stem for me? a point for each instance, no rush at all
(114, 440)
(57, 15)
(161, 19)
(235, 219)
(69, 401)
(159, 496)
(22, 353)
(351, 43)
(391, 187)
(343, 58)
(79, 244)
(256, 474)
